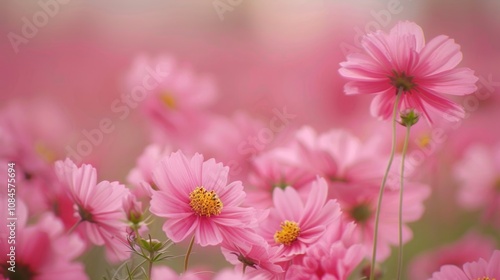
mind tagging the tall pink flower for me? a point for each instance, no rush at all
(294, 224)
(196, 199)
(98, 207)
(401, 60)
(481, 270)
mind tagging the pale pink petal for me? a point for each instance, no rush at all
(439, 54)
(167, 205)
(84, 181)
(288, 203)
(232, 194)
(234, 216)
(310, 235)
(449, 272)
(442, 105)
(361, 87)
(475, 269)
(178, 229)
(186, 178)
(403, 41)
(407, 29)
(493, 269)
(214, 175)
(383, 104)
(360, 67)
(316, 200)
(207, 233)
(458, 81)
(376, 45)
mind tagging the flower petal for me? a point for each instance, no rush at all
(459, 81)
(178, 229)
(208, 233)
(440, 54)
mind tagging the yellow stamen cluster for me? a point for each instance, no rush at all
(485, 278)
(205, 203)
(288, 233)
(424, 140)
(168, 100)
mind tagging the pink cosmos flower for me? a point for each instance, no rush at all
(355, 169)
(481, 270)
(402, 61)
(260, 261)
(277, 168)
(171, 96)
(98, 207)
(469, 248)
(338, 156)
(479, 174)
(359, 202)
(24, 141)
(141, 176)
(294, 224)
(43, 252)
(242, 141)
(196, 199)
(333, 257)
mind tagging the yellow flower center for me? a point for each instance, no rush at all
(288, 233)
(47, 154)
(168, 100)
(424, 140)
(205, 203)
(485, 278)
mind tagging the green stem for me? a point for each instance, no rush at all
(131, 273)
(138, 239)
(150, 265)
(382, 186)
(186, 259)
(400, 221)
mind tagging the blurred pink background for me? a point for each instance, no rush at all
(260, 55)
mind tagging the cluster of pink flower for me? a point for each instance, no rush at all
(303, 207)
